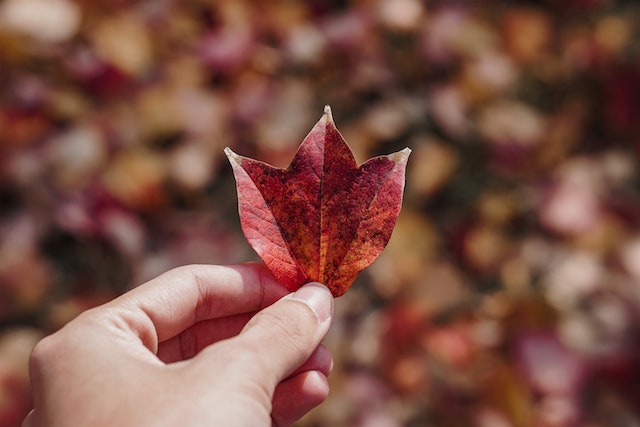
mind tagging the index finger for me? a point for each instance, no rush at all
(178, 299)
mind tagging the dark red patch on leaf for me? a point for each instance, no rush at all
(323, 219)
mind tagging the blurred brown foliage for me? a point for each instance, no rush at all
(508, 294)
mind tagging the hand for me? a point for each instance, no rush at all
(197, 346)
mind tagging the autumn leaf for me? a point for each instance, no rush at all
(324, 218)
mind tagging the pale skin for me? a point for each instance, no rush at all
(196, 346)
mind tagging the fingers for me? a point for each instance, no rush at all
(281, 337)
(320, 360)
(296, 396)
(180, 298)
(303, 390)
(192, 340)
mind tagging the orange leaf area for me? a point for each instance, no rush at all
(324, 218)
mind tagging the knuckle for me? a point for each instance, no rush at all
(43, 353)
(55, 350)
(187, 271)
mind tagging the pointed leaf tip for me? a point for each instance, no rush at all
(233, 157)
(327, 112)
(401, 156)
(324, 219)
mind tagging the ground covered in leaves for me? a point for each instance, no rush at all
(509, 293)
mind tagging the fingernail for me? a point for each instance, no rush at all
(317, 297)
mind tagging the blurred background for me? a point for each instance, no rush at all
(509, 293)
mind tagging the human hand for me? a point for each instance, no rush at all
(196, 346)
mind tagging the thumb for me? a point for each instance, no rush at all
(283, 336)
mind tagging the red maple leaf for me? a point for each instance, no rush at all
(324, 218)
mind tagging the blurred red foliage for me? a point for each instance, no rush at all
(508, 294)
